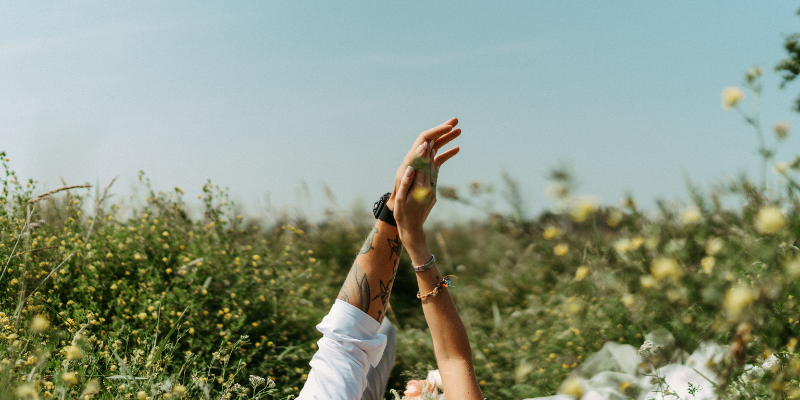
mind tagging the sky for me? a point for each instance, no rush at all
(270, 98)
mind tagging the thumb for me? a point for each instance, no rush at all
(405, 183)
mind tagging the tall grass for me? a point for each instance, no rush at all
(156, 304)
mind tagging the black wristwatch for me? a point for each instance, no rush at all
(382, 211)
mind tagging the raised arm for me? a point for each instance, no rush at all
(416, 196)
(370, 280)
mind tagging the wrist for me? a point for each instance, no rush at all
(417, 248)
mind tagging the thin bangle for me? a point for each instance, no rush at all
(427, 265)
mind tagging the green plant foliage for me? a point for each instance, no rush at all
(138, 300)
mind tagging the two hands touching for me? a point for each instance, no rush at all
(414, 193)
(369, 283)
(413, 198)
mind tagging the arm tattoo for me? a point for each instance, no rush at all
(356, 289)
(384, 293)
(368, 243)
(396, 246)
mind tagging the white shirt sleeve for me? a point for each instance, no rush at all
(350, 343)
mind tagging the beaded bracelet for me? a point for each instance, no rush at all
(427, 265)
(447, 281)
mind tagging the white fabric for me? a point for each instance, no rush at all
(350, 343)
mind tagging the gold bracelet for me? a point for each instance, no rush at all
(447, 281)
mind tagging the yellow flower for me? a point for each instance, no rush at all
(551, 232)
(737, 299)
(731, 97)
(714, 245)
(165, 233)
(256, 257)
(690, 216)
(666, 267)
(581, 273)
(92, 387)
(582, 210)
(793, 267)
(142, 395)
(627, 299)
(70, 378)
(614, 218)
(561, 249)
(624, 386)
(572, 387)
(26, 390)
(769, 220)
(40, 323)
(637, 242)
(708, 264)
(791, 345)
(522, 372)
(179, 390)
(782, 129)
(652, 242)
(622, 245)
(421, 194)
(648, 281)
(73, 353)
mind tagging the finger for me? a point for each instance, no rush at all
(405, 183)
(441, 158)
(447, 138)
(437, 132)
(431, 158)
(422, 149)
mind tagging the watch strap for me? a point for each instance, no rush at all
(382, 211)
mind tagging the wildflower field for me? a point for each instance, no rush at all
(141, 301)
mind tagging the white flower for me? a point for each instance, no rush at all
(781, 167)
(731, 97)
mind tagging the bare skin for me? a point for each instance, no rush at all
(369, 283)
(450, 342)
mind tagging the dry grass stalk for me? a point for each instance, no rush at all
(47, 194)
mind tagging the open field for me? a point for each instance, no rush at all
(160, 305)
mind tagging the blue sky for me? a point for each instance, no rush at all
(262, 96)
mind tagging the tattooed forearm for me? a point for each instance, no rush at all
(356, 289)
(368, 243)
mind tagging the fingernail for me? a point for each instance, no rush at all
(409, 170)
(421, 148)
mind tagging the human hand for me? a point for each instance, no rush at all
(416, 196)
(436, 138)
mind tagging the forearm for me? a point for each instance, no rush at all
(370, 280)
(450, 339)
(450, 342)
